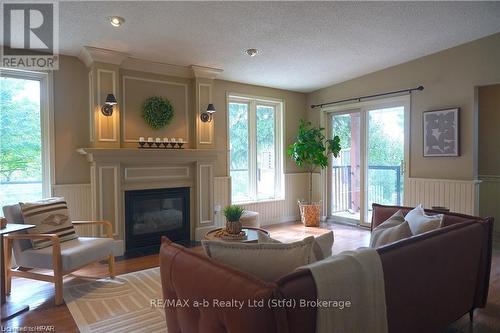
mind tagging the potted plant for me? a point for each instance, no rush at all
(311, 150)
(233, 223)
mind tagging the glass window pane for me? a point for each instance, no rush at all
(238, 145)
(266, 166)
(20, 141)
(346, 172)
(385, 156)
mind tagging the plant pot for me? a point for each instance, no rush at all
(310, 214)
(233, 227)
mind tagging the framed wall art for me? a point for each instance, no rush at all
(441, 132)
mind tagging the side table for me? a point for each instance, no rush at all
(9, 309)
(252, 235)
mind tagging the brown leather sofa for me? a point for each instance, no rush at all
(430, 281)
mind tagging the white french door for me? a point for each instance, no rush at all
(372, 165)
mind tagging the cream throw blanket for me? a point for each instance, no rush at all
(354, 276)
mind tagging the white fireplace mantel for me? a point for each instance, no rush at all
(150, 155)
(116, 170)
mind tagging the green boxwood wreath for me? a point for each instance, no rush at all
(157, 112)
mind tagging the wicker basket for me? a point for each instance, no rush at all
(310, 214)
(233, 227)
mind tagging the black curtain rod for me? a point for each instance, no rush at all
(419, 88)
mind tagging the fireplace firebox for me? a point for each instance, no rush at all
(150, 214)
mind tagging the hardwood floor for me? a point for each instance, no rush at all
(40, 295)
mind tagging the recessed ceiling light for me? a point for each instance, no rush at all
(116, 21)
(252, 52)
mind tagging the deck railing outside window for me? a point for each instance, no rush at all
(385, 187)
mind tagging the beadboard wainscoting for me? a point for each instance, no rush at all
(489, 198)
(272, 211)
(460, 196)
(79, 199)
(222, 198)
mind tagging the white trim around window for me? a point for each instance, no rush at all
(46, 80)
(278, 106)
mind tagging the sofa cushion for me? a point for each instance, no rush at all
(390, 231)
(189, 275)
(420, 222)
(50, 216)
(321, 249)
(264, 260)
(74, 253)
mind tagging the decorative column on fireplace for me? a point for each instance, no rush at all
(152, 213)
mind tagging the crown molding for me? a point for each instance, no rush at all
(205, 72)
(157, 68)
(90, 54)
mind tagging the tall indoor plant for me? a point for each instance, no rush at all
(311, 150)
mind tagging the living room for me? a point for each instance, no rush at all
(235, 131)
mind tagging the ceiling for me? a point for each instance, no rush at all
(303, 46)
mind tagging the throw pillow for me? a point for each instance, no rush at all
(266, 261)
(50, 216)
(393, 229)
(420, 222)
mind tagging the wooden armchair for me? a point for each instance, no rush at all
(63, 258)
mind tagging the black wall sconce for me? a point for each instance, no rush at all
(207, 115)
(107, 108)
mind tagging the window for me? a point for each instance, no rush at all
(24, 139)
(255, 161)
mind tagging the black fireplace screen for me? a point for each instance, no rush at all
(150, 214)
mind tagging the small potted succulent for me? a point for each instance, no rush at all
(233, 223)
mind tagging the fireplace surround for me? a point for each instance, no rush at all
(116, 171)
(152, 213)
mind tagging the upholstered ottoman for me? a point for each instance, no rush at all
(250, 219)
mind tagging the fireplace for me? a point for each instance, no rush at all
(150, 214)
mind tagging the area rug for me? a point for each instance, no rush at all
(118, 305)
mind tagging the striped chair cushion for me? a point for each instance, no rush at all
(50, 216)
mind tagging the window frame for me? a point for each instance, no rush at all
(253, 102)
(46, 80)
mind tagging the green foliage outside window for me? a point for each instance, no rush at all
(265, 150)
(384, 149)
(20, 133)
